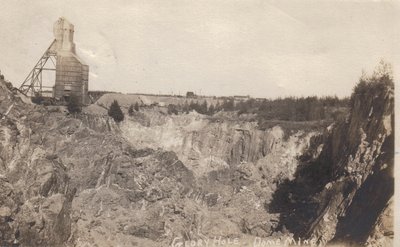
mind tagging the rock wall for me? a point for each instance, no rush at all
(84, 180)
(339, 195)
(61, 177)
(206, 144)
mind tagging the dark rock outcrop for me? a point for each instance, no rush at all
(339, 195)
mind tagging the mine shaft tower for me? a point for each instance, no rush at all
(71, 73)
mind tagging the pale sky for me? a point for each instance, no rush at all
(212, 47)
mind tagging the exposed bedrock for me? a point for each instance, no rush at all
(84, 180)
(205, 144)
(341, 195)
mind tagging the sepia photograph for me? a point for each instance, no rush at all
(199, 123)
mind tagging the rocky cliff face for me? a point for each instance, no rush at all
(82, 179)
(205, 144)
(340, 195)
(62, 178)
(85, 181)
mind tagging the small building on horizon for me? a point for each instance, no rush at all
(190, 94)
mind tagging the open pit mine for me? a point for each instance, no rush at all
(163, 176)
(189, 179)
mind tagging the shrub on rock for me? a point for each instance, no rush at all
(115, 112)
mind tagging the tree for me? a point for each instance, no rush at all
(379, 82)
(228, 104)
(115, 112)
(264, 106)
(203, 108)
(172, 109)
(74, 104)
(185, 108)
(217, 107)
(130, 110)
(211, 110)
(136, 106)
(193, 106)
(243, 107)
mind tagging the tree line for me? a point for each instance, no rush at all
(287, 109)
